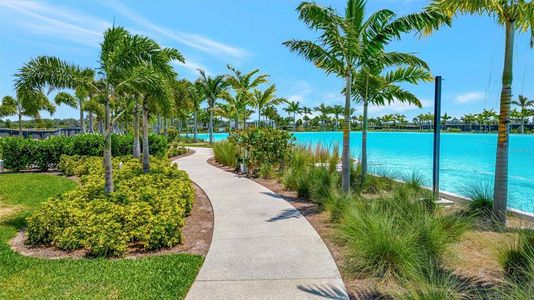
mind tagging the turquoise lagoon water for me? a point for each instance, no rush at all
(464, 158)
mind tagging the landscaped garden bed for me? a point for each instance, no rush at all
(168, 276)
(389, 239)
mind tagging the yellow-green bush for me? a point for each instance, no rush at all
(148, 209)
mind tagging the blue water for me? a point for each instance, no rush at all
(464, 158)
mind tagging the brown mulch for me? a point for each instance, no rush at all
(197, 233)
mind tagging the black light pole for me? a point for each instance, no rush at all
(437, 130)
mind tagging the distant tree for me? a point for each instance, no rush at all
(523, 103)
(212, 88)
(27, 103)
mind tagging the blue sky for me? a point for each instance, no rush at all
(249, 34)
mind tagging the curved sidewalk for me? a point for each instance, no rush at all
(262, 247)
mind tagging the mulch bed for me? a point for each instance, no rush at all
(197, 233)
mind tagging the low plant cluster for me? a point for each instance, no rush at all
(257, 148)
(20, 154)
(175, 149)
(226, 153)
(147, 210)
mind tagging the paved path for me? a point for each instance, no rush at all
(262, 247)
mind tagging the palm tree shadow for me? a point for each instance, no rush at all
(326, 291)
(286, 214)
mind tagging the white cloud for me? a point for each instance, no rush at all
(192, 66)
(196, 41)
(469, 97)
(53, 21)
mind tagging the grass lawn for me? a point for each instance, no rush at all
(161, 277)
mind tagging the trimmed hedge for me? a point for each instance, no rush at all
(19, 154)
(145, 209)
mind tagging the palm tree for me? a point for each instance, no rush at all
(306, 111)
(196, 97)
(293, 107)
(127, 63)
(265, 98)
(468, 119)
(26, 103)
(444, 119)
(337, 110)
(524, 103)
(323, 111)
(345, 42)
(245, 84)
(212, 88)
(379, 89)
(514, 15)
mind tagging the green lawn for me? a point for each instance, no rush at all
(159, 277)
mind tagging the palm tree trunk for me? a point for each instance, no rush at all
(136, 144)
(294, 122)
(91, 130)
(20, 125)
(364, 142)
(345, 160)
(522, 124)
(195, 126)
(500, 195)
(259, 116)
(82, 125)
(211, 125)
(108, 166)
(165, 131)
(146, 154)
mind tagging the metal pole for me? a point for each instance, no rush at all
(437, 130)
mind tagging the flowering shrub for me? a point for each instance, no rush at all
(148, 209)
(263, 146)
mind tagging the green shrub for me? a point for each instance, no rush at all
(226, 153)
(174, 149)
(48, 152)
(263, 145)
(148, 209)
(19, 153)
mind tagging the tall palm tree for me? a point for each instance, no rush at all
(212, 88)
(323, 111)
(513, 15)
(524, 103)
(126, 64)
(336, 110)
(197, 97)
(244, 84)
(372, 86)
(265, 98)
(294, 108)
(347, 41)
(306, 111)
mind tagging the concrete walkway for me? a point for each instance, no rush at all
(262, 247)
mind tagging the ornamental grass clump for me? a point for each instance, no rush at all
(517, 259)
(226, 153)
(397, 236)
(145, 209)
